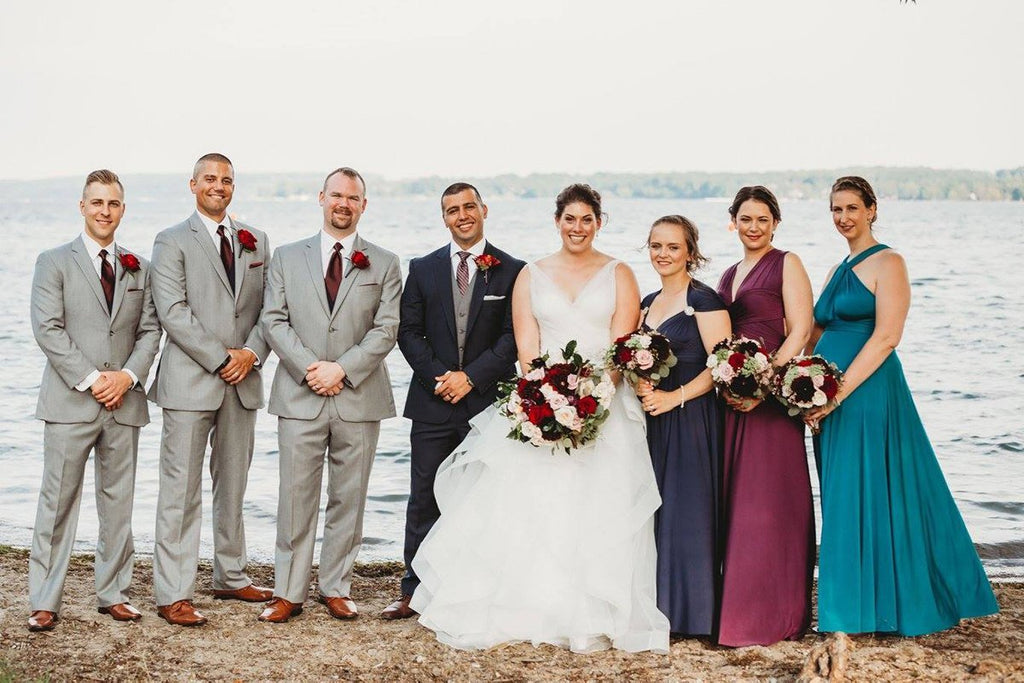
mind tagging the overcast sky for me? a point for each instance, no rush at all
(405, 89)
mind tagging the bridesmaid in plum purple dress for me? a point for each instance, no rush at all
(768, 547)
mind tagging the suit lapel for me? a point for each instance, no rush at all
(206, 245)
(85, 263)
(442, 281)
(120, 283)
(351, 275)
(242, 259)
(316, 273)
(479, 289)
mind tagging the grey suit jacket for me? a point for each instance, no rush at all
(78, 334)
(358, 334)
(203, 319)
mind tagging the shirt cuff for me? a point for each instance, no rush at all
(135, 380)
(89, 380)
(258, 362)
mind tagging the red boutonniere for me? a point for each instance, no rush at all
(484, 262)
(246, 240)
(129, 263)
(360, 260)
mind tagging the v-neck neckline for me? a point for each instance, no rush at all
(583, 289)
(734, 289)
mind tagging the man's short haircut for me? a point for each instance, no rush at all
(215, 157)
(103, 177)
(346, 171)
(456, 188)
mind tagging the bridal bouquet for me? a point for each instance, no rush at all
(807, 382)
(641, 354)
(560, 405)
(742, 367)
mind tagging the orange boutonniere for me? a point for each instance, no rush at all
(484, 262)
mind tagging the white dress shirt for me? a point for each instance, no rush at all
(453, 254)
(327, 250)
(211, 227)
(93, 249)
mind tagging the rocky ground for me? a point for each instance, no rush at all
(87, 646)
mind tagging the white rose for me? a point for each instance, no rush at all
(534, 375)
(712, 361)
(566, 415)
(572, 381)
(819, 398)
(585, 387)
(644, 341)
(531, 431)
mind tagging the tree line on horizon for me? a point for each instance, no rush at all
(889, 183)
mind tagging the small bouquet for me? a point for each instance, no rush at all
(807, 382)
(560, 405)
(641, 354)
(742, 367)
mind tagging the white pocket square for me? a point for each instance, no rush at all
(493, 297)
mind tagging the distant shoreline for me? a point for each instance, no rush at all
(890, 182)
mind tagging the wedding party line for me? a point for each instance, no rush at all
(643, 474)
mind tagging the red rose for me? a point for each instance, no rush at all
(586, 406)
(247, 240)
(805, 363)
(736, 360)
(830, 386)
(485, 262)
(623, 356)
(130, 262)
(538, 414)
(359, 260)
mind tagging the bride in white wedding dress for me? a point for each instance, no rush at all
(541, 546)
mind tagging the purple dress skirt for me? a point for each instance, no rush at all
(768, 515)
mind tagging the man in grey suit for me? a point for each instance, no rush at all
(93, 317)
(331, 315)
(208, 278)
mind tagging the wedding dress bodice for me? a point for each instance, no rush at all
(587, 319)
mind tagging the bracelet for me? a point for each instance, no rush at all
(682, 396)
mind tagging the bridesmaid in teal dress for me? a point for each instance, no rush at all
(895, 554)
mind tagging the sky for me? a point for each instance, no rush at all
(405, 89)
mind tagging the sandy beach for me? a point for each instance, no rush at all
(313, 646)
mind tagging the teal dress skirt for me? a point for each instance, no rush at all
(895, 554)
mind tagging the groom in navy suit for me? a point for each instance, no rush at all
(456, 333)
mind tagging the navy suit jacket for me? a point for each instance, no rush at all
(427, 337)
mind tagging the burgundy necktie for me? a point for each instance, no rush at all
(107, 279)
(226, 256)
(333, 279)
(462, 273)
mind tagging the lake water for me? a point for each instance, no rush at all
(961, 349)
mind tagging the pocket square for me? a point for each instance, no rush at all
(493, 297)
(256, 265)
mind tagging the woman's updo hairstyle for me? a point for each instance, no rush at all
(759, 193)
(690, 235)
(854, 183)
(578, 192)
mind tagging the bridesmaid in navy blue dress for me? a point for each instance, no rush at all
(684, 429)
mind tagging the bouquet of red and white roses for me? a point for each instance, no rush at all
(561, 405)
(742, 367)
(641, 354)
(807, 382)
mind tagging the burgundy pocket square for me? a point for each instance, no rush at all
(256, 265)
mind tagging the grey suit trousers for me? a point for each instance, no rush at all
(350, 447)
(66, 449)
(230, 431)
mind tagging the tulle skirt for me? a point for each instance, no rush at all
(545, 547)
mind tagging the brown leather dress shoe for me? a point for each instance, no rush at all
(181, 613)
(279, 611)
(340, 608)
(399, 609)
(250, 593)
(41, 620)
(121, 612)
